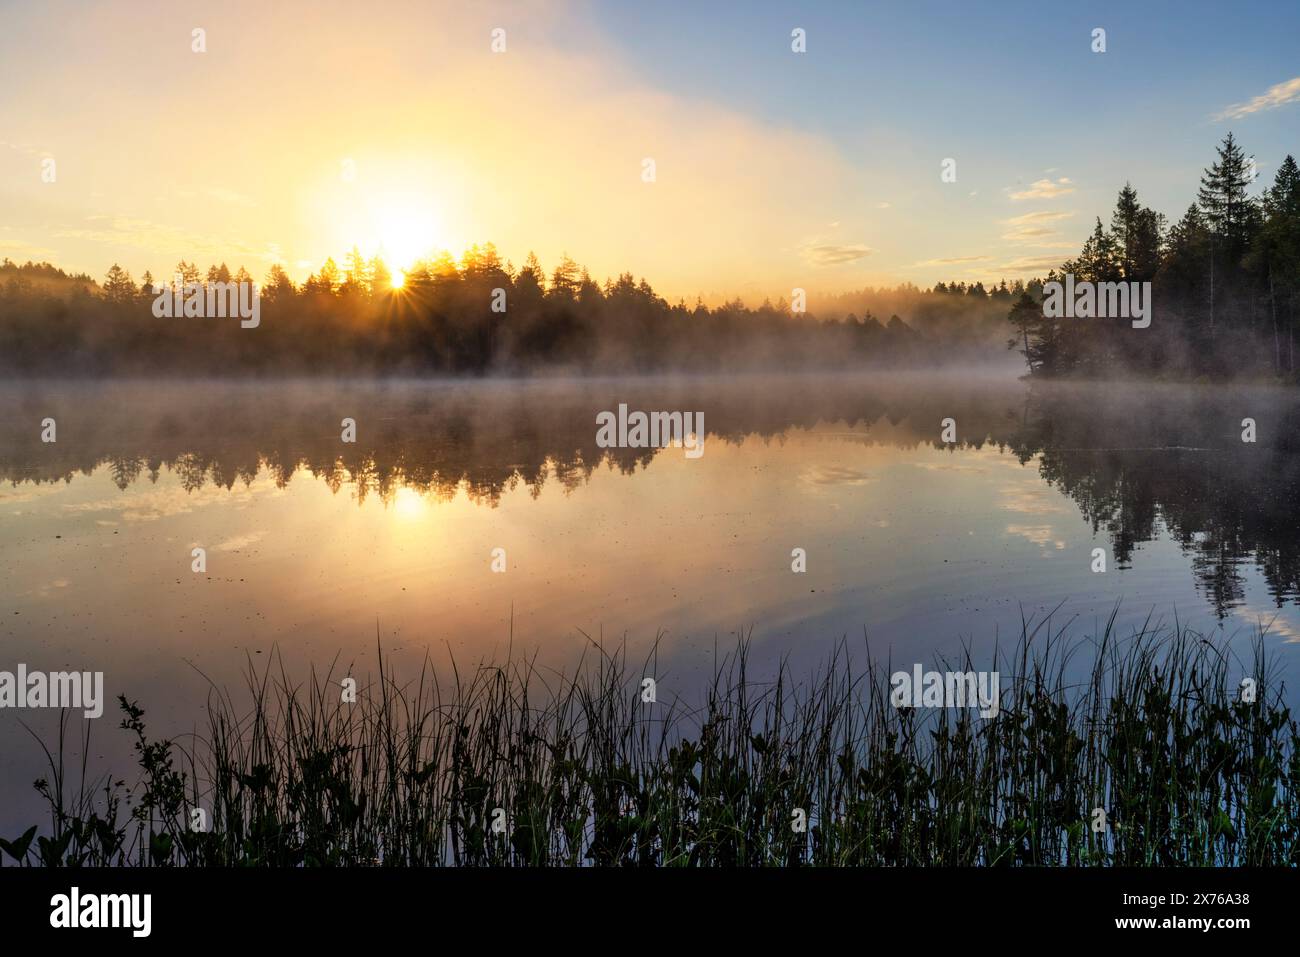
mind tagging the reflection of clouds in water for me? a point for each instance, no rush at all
(28, 493)
(240, 541)
(1033, 498)
(834, 475)
(1040, 535)
(979, 461)
(1271, 622)
(44, 591)
(947, 467)
(152, 504)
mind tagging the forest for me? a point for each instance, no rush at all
(439, 319)
(1224, 277)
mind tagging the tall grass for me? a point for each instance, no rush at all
(1153, 731)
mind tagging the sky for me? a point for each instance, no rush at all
(302, 129)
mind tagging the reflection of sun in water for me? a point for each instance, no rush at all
(408, 503)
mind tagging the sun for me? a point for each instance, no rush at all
(398, 280)
(405, 236)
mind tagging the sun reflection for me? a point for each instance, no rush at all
(408, 503)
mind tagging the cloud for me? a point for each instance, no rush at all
(1041, 216)
(1028, 232)
(830, 254)
(1030, 265)
(952, 261)
(1280, 94)
(1031, 227)
(1045, 189)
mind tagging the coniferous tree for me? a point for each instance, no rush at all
(118, 286)
(1222, 196)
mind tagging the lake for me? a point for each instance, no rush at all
(327, 552)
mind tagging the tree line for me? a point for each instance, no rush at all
(1224, 283)
(437, 319)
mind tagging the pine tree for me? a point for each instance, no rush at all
(1025, 315)
(1280, 249)
(565, 279)
(278, 284)
(1097, 260)
(328, 279)
(356, 280)
(1123, 226)
(1222, 195)
(118, 286)
(381, 279)
(1135, 233)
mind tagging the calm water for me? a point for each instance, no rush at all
(323, 550)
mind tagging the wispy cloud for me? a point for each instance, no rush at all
(952, 261)
(1023, 233)
(835, 254)
(1041, 216)
(1280, 94)
(1046, 189)
(1031, 228)
(1030, 265)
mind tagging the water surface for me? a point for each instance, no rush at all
(322, 550)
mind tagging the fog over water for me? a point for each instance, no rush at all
(324, 550)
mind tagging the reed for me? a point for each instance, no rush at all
(1150, 728)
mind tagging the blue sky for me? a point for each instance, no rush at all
(1009, 89)
(1000, 78)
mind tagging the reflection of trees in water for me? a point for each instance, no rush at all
(482, 439)
(1139, 462)
(1226, 502)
